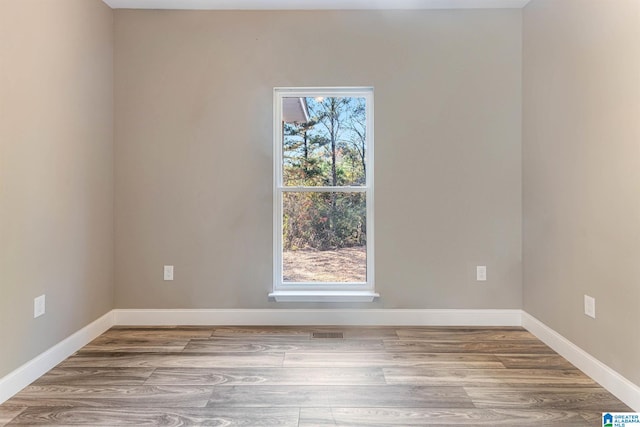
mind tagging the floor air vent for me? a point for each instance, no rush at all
(338, 335)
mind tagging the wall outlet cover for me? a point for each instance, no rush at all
(39, 306)
(481, 273)
(168, 272)
(590, 306)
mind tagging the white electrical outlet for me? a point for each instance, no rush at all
(590, 306)
(481, 273)
(38, 306)
(168, 272)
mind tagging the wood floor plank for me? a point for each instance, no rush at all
(328, 396)
(146, 334)
(374, 417)
(456, 334)
(488, 377)
(534, 361)
(316, 417)
(267, 376)
(103, 396)
(217, 345)
(154, 328)
(576, 398)
(135, 346)
(95, 376)
(154, 416)
(261, 332)
(490, 347)
(362, 333)
(173, 360)
(304, 332)
(594, 417)
(9, 412)
(388, 359)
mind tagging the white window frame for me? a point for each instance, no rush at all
(321, 291)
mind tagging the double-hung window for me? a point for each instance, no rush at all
(323, 194)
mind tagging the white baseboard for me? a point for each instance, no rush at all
(615, 383)
(363, 317)
(18, 379)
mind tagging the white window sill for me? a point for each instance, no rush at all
(324, 296)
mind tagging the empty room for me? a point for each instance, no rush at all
(320, 212)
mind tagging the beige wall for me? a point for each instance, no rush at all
(194, 150)
(581, 173)
(56, 171)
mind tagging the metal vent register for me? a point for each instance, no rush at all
(338, 335)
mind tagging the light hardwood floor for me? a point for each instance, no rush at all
(283, 376)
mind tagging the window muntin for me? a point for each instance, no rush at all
(323, 198)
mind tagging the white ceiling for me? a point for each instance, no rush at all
(314, 4)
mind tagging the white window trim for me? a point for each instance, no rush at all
(321, 292)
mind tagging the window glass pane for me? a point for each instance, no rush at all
(324, 237)
(324, 141)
